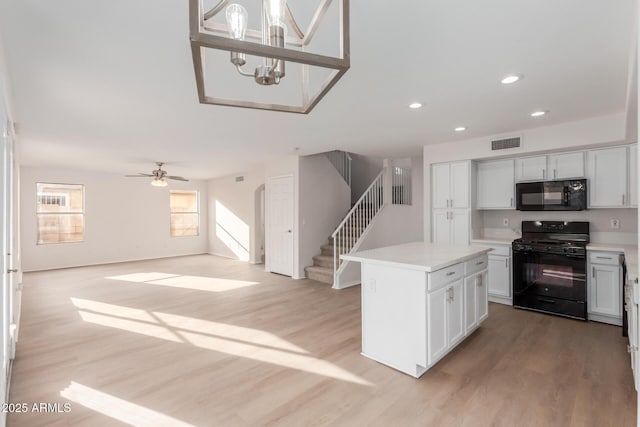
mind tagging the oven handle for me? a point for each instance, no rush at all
(546, 300)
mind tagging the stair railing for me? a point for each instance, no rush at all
(357, 220)
(341, 160)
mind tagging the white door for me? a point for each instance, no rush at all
(605, 290)
(440, 186)
(633, 175)
(499, 276)
(455, 329)
(496, 184)
(607, 177)
(531, 168)
(470, 303)
(482, 298)
(567, 165)
(5, 281)
(459, 227)
(437, 324)
(281, 209)
(459, 185)
(441, 227)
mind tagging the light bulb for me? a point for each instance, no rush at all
(159, 182)
(275, 10)
(237, 21)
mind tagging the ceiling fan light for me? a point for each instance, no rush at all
(159, 182)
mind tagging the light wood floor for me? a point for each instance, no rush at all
(205, 341)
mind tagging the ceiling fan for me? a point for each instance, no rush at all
(159, 176)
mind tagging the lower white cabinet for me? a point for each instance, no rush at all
(500, 272)
(631, 311)
(451, 226)
(446, 318)
(604, 293)
(476, 304)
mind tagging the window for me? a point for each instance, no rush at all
(185, 215)
(60, 212)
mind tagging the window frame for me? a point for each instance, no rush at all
(197, 212)
(82, 212)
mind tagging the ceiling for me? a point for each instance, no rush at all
(109, 86)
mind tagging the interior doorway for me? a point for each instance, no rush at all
(280, 207)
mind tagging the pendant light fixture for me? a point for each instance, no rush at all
(267, 47)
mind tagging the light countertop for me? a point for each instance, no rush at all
(630, 255)
(418, 255)
(492, 241)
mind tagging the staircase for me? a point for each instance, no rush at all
(348, 235)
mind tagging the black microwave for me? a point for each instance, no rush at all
(570, 195)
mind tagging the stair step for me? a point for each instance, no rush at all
(323, 261)
(320, 274)
(327, 250)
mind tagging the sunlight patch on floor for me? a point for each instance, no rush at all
(199, 283)
(234, 340)
(119, 409)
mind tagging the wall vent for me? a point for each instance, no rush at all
(505, 143)
(239, 178)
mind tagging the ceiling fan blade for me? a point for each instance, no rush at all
(177, 178)
(140, 175)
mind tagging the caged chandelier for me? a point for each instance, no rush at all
(267, 46)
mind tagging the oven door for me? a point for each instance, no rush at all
(550, 282)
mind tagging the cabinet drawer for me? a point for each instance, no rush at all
(609, 258)
(439, 278)
(476, 264)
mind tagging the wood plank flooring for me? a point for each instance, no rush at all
(206, 341)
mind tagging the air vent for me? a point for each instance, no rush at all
(239, 178)
(506, 143)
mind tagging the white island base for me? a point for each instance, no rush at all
(420, 300)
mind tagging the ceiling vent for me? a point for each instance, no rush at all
(505, 143)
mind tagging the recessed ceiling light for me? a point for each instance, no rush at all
(415, 105)
(538, 113)
(512, 78)
(460, 129)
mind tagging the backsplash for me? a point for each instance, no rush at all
(599, 220)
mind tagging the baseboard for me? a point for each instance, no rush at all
(603, 318)
(114, 262)
(347, 285)
(500, 300)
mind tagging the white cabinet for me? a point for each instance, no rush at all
(607, 174)
(451, 227)
(500, 275)
(565, 165)
(450, 185)
(476, 306)
(604, 297)
(531, 168)
(496, 184)
(445, 308)
(633, 175)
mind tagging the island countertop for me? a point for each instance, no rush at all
(418, 255)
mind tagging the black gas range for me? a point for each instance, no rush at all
(549, 268)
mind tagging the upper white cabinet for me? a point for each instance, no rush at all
(553, 166)
(633, 175)
(565, 165)
(531, 168)
(450, 185)
(607, 174)
(496, 179)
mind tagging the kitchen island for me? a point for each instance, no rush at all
(420, 300)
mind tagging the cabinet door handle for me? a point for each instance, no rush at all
(593, 272)
(554, 174)
(506, 263)
(623, 199)
(480, 280)
(479, 262)
(604, 257)
(544, 174)
(451, 273)
(511, 203)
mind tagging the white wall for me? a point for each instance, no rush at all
(363, 171)
(599, 223)
(125, 219)
(235, 231)
(324, 202)
(565, 136)
(288, 165)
